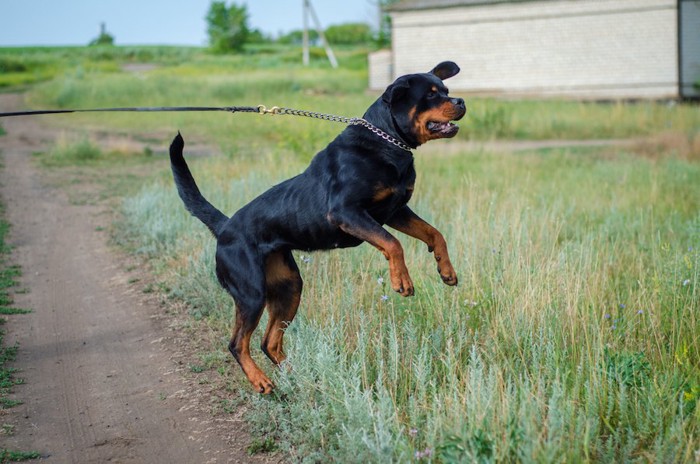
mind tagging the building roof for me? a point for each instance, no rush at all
(408, 5)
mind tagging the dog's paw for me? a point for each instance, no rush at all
(447, 273)
(262, 384)
(401, 283)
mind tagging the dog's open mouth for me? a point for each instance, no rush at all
(443, 129)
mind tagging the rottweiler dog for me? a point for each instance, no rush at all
(362, 180)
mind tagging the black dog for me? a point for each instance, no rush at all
(360, 181)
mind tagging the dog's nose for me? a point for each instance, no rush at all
(460, 106)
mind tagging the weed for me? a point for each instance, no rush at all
(7, 403)
(7, 311)
(630, 369)
(71, 153)
(229, 406)
(197, 368)
(7, 455)
(264, 445)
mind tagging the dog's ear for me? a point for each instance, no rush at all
(395, 91)
(445, 70)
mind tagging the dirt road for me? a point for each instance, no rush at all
(101, 385)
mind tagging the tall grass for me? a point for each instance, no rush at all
(573, 335)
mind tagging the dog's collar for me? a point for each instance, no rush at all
(392, 140)
(331, 117)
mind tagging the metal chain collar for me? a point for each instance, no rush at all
(331, 117)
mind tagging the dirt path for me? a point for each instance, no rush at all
(100, 382)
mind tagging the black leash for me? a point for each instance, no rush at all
(229, 109)
(260, 109)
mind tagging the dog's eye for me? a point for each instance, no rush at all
(432, 94)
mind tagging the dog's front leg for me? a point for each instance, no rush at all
(361, 225)
(408, 222)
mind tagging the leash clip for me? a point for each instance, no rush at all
(262, 109)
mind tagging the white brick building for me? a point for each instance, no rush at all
(574, 48)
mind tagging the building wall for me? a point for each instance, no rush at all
(381, 69)
(579, 48)
(690, 48)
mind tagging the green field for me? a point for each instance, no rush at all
(573, 335)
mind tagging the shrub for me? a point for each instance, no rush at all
(349, 34)
(72, 152)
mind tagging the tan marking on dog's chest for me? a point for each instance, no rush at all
(382, 192)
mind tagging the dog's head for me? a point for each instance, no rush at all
(420, 106)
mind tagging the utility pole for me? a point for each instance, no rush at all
(305, 37)
(308, 9)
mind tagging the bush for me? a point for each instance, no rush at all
(10, 64)
(78, 152)
(295, 37)
(349, 34)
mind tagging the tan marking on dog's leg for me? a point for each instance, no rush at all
(240, 348)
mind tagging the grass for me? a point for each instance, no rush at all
(91, 173)
(337, 92)
(22, 66)
(71, 153)
(8, 380)
(573, 335)
(16, 456)
(273, 75)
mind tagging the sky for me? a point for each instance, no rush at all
(156, 22)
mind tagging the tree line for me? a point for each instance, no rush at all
(229, 31)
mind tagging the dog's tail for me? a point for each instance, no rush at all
(195, 203)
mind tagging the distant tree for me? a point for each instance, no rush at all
(349, 34)
(257, 36)
(227, 27)
(295, 37)
(104, 38)
(383, 37)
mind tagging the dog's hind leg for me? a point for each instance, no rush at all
(283, 293)
(241, 273)
(239, 346)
